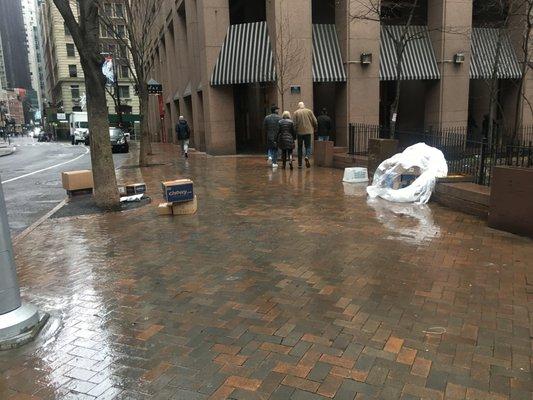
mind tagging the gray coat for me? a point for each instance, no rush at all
(271, 126)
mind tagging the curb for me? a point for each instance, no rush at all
(36, 224)
(7, 153)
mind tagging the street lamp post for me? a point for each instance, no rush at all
(19, 322)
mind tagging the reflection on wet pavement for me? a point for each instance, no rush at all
(283, 285)
(412, 223)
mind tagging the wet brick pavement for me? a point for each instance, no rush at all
(283, 286)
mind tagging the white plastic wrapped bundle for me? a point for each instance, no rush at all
(428, 160)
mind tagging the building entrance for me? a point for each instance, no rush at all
(251, 107)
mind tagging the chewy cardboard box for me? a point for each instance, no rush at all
(178, 191)
(77, 180)
(135, 188)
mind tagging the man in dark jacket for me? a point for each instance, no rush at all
(184, 134)
(271, 126)
(325, 126)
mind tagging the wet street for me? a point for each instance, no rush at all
(31, 177)
(284, 285)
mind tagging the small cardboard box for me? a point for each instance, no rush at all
(77, 180)
(135, 188)
(187, 208)
(178, 191)
(164, 209)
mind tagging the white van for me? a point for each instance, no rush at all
(79, 127)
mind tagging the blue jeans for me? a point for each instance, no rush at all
(323, 138)
(304, 140)
(273, 153)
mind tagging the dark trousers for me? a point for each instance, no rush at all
(286, 155)
(304, 139)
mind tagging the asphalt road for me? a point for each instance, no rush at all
(31, 177)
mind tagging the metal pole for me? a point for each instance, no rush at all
(16, 318)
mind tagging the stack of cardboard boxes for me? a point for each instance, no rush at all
(179, 198)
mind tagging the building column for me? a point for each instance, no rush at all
(450, 25)
(358, 100)
(296, 19)
(219, 120)
(517, 31)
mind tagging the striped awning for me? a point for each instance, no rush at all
(327, 59)
(419, 62)
(245, 57)
(484, 50)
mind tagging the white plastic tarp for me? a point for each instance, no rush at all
(427, 160)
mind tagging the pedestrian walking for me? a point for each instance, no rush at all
(325, 126)
(286, 137)
(305, 124)
(184, 134)
(271, 126)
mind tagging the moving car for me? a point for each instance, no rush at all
(119, 141)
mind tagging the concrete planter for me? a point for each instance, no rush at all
(511, 199)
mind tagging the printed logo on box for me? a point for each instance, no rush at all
(179, 193)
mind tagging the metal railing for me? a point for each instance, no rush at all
(474, 158)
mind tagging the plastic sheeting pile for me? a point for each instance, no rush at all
(428, 161)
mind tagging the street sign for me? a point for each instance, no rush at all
(154, 87)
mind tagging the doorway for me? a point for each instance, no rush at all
(251, 107)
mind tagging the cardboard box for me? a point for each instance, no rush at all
(77, 180)
(135, 188)
(164, 209)
(187, 208)
(178, 191)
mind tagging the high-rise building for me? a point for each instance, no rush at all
(63, 74)
(3, 77)
(14, 44)
(31, 22)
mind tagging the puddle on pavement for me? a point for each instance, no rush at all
(410, 223)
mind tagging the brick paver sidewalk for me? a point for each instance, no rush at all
(283, 286)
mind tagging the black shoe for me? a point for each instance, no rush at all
(290, 166)
(186, 155)
(307, 163)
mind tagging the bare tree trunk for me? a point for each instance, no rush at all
(145, 143)
(86, 35)
(105, 189)
(396, 102)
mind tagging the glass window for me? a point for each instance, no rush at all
(121, 31)
(72, 71)
(119, 10)
(67, 31)
(122, 51)
(103, 31)
(108, 9)
(125, 71)
(75, 91)
(71, 52)
(124, 91)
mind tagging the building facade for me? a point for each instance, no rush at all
(31, 26)
(3, 76)
(221, 63)
(14, 44)
(63, 74)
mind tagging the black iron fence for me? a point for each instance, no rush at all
(473, 158)
(358, 136)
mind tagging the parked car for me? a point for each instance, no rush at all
(119, 141)
(43, 137)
